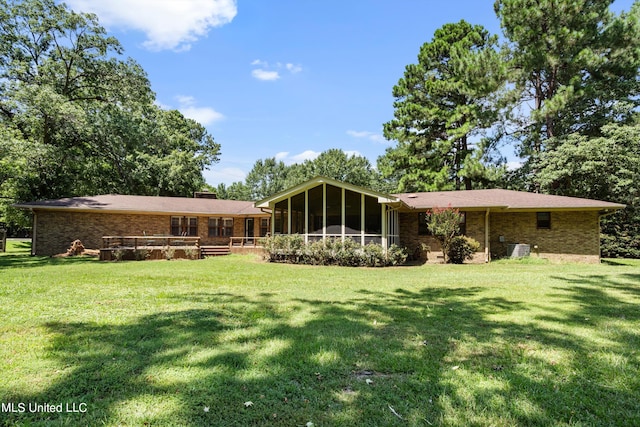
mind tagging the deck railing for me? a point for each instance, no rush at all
(245, 242)
(134, 242)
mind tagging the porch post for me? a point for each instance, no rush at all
(362, 218)
(273, 220)
(306, 216)
(384, 227)
(289, 215)
(343, 216)
(487, 252)
(324, 210)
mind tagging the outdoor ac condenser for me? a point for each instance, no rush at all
(518, 250)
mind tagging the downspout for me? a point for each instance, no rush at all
(487, 251)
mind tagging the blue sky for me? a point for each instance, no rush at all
(283, 78)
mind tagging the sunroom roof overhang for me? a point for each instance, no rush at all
(269, 202)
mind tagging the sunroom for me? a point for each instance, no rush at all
(325, 208)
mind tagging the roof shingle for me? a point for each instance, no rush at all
(152, 204)
(500, 199)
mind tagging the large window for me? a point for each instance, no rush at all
(423, 228)
(264, 227)
(334, 210)
(220, 227)
(463, 223)
(297, 214)
(281, 214)
(184, 226)
(316, 213)
(372, 216)
(353, 212)
(331, 211)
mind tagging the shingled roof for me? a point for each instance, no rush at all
(501, 200)
(494, 199)
(146, 204)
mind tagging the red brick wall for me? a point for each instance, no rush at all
(572, 236)
(54, 231)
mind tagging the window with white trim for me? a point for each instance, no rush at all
(220, 227)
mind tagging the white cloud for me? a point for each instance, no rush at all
(305, 155)
(272, 71)
(168, 24)
(285, 156)
(265, 75)
(295, 69)
(260, 63)
(281, 155)
(358, 134)
(225, 176)
(375, 137)
(203, 115)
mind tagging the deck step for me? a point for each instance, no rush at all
(206, 251)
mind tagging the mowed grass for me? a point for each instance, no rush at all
(233, 341)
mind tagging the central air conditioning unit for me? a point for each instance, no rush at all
(518, 250)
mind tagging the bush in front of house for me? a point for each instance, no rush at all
(462, 248)
(333, 251)
(284, 248)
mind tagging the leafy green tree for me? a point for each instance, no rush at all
(335, 163)
(270, 176)
(574, 65)
(267, 177)
(443, 103)
(234, 191)
(84, 115)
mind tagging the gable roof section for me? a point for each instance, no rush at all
(501, 200)
(145, 204)
(270, 201)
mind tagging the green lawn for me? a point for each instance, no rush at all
(235, 341)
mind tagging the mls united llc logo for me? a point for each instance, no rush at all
(34, 407)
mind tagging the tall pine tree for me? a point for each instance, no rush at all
(442, 104)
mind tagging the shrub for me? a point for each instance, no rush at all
(119, 254)
(142, 254)
(462, 248)
(283, 247)
(331, 251)
(192, 253)
(168, 252)
(396, 255)
(374, 255)
(444, 223)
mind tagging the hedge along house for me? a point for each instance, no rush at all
(56, 223)
(554, 227)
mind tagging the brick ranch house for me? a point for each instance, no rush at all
(555, 227)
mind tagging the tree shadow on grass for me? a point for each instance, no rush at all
(19, 256)
(437, 356)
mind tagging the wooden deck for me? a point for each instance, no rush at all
(160, 246)
(149, 247)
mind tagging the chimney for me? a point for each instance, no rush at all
(204, 195)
